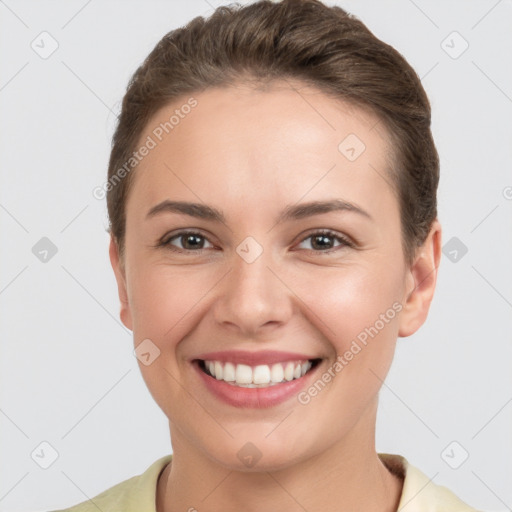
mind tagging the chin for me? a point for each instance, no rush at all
(257, 454)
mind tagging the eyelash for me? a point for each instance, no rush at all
(345, 242)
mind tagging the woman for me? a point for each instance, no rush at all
(272, 201)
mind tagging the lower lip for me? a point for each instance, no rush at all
(254, 397)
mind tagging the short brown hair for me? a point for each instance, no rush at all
(304, 40)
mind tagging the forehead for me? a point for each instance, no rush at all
(279, 142)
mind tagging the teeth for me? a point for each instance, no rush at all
(243, 374)
(288, 371)
(277, 373)
(218, 370)
(229, 372)
(259, 376)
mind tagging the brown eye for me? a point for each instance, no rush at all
(188, 240)
(324, 241)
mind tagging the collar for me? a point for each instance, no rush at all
(419, 493)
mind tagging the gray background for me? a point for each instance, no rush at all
(67, 370)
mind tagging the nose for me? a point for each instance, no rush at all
(254, 298)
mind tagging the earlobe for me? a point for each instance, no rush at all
(120, 275)
(420, 283)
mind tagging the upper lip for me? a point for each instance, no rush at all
(253, 358)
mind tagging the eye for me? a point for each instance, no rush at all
(191, 241)
(323, 241)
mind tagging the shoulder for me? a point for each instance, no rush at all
(137, 493)
(420, 493)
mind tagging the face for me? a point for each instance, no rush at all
(256, 284)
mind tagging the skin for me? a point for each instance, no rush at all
(251, 153)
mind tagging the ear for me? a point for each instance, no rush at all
(119, 271)
(420, 282)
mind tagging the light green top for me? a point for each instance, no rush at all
(138, 494)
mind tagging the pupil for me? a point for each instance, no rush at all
(323, 244)
(189, 238)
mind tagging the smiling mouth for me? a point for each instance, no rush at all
(259, 376)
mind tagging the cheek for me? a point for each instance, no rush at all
(357, 311)
(162, 299)
(347, 302)
(164, 304)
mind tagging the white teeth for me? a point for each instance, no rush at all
(304, 368)
(277, 373)
(229, 372)
(288, 371)
(243, 374)
(259, 376)
(218, 370)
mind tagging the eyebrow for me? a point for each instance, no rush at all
(291, 212)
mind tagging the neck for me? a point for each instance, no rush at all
(348, 476)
